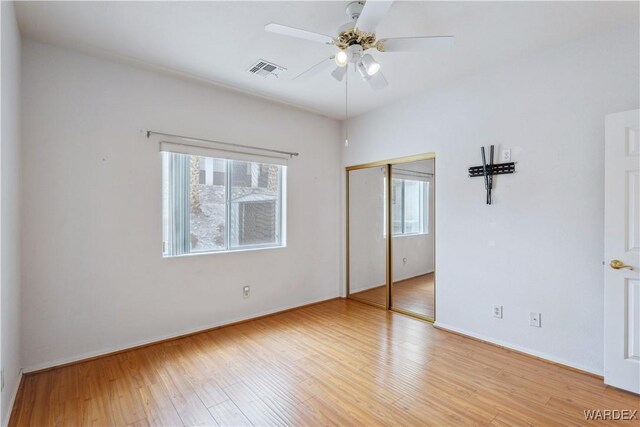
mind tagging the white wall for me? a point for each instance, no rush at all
(9, 207)
(539, 247)
(93, 272)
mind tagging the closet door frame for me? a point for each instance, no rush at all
(389, 247)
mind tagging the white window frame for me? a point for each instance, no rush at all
(280, 217)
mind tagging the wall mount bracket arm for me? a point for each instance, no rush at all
(495, 169)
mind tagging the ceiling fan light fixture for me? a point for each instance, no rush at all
(371, 66)
(342, 58)
(362, 70)
(339, 73)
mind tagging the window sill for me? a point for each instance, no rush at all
(408, 235)
(231, 251)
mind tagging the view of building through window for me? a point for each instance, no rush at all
(231, 204)
(409, 206)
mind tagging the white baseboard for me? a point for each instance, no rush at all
(411, 276)
(518, 348)
(106, 351)
(12, 401)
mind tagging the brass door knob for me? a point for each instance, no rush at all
(616, 264)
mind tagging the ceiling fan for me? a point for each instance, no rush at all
(356, 37)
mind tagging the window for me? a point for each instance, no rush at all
(213, 205)
(409, 206)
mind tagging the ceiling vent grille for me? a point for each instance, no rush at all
(265, 69)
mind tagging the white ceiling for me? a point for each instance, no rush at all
(219, 41)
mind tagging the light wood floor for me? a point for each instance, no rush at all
(415, 295)
(339, 362)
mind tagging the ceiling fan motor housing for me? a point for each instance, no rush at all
(353, 36)
(354, 10)
(349, 35)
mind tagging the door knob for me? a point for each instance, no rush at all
(616, 264)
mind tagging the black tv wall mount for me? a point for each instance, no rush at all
(489, 170)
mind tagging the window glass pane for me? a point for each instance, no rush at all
(396, 205)
(255, 204)
(413, 206)
(217, 204)
(208, 202)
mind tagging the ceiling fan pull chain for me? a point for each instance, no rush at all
(346, 108)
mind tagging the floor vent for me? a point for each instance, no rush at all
(265, 69)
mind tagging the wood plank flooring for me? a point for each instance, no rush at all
(415, 294)
(335, 363)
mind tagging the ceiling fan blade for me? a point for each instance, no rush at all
(339, 73)
(372, 14)
(377, 81)
(295, 32)
(414, 44)
(320, 66)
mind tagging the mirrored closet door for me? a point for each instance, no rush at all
(392, 198)
(367, 246)
(413, 244)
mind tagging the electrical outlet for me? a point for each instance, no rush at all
(497, 311)
(505, 155)
(535, 320)
(404, 261)
(246, 291)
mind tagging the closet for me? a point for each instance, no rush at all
(392, 198)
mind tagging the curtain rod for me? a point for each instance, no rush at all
(223, 150)
(189, 138)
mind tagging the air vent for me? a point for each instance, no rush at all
(265, 69)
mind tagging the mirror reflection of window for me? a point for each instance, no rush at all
(409, 206)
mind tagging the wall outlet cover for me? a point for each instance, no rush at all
(246, 291)
(505, 155)
(497, 311)
(535, 320)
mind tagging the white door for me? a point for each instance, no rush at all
(622, 251)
